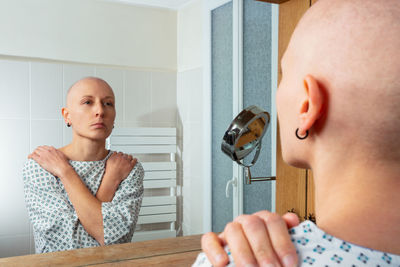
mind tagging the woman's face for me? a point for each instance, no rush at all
(91, 109)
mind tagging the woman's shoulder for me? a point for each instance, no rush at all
(31, 166)
(136, 175)
(32, 171)
(138, 170)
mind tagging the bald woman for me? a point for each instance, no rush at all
(83, 195)
(338, 106)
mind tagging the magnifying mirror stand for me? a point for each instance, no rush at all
(247, 172)
(243, 136)
(249, 179)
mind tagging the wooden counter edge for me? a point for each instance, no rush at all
(109, 254)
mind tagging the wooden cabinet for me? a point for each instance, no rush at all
(294, 187)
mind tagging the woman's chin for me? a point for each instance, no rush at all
(96, 135)
(296, 162)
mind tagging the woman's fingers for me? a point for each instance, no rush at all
(259, 241)
(261, 238)
(279, 237)
(133, 162)
(34, 155)
(239, 245)
(213, 247)
(291, 219)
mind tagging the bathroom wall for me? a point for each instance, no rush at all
(190, 113)
(90, 31)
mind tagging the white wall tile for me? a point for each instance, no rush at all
(163, 97)
(195, 78)
(183, 97)
(189, 102)
(14, 89)
(11, 246)
(194, 151)
(73, 73)
(115, 78)
(196, 205)
(46, 90)
(137, 100)
(67, 134)
(187, 198)
(14, 143)
(190, 95)
(46, 132)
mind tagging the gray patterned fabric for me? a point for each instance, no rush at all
(55, 223)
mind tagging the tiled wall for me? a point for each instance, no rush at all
(190, 125)
(31, 96)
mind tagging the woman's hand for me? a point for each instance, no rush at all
(258, 239)
(118, 166)
(51, 159)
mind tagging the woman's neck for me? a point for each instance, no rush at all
(359, 202)
(83, 149)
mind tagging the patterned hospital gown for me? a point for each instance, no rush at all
(55, 223)
(316, 248)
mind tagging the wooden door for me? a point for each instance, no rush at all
(291, 183)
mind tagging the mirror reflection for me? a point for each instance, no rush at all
(245, 134)
(153, 59)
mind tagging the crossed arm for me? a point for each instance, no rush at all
(87, 206)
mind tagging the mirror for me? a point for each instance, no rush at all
(133, 48)
(157, 79)
(244, 135)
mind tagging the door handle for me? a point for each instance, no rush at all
(232, 182)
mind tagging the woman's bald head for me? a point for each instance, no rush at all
(80, 85)
(351, 48)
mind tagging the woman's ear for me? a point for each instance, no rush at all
(65, 114)
(310, 109)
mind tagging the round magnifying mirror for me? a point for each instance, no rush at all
(245, 134)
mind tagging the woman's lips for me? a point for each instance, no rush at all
(99, 125)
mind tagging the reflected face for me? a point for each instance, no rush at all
(91, 109)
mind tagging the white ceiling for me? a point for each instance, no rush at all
(170, 4)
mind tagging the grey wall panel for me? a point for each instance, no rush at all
(221, 78)
(257, 91)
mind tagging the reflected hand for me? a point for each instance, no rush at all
(118, 166)
(259, 239)
(51, 159)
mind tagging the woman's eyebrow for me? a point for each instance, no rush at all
(109, 96)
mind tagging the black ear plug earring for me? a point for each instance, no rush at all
(301, 137)
(68, 125)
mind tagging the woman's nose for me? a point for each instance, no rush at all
(99, 110)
